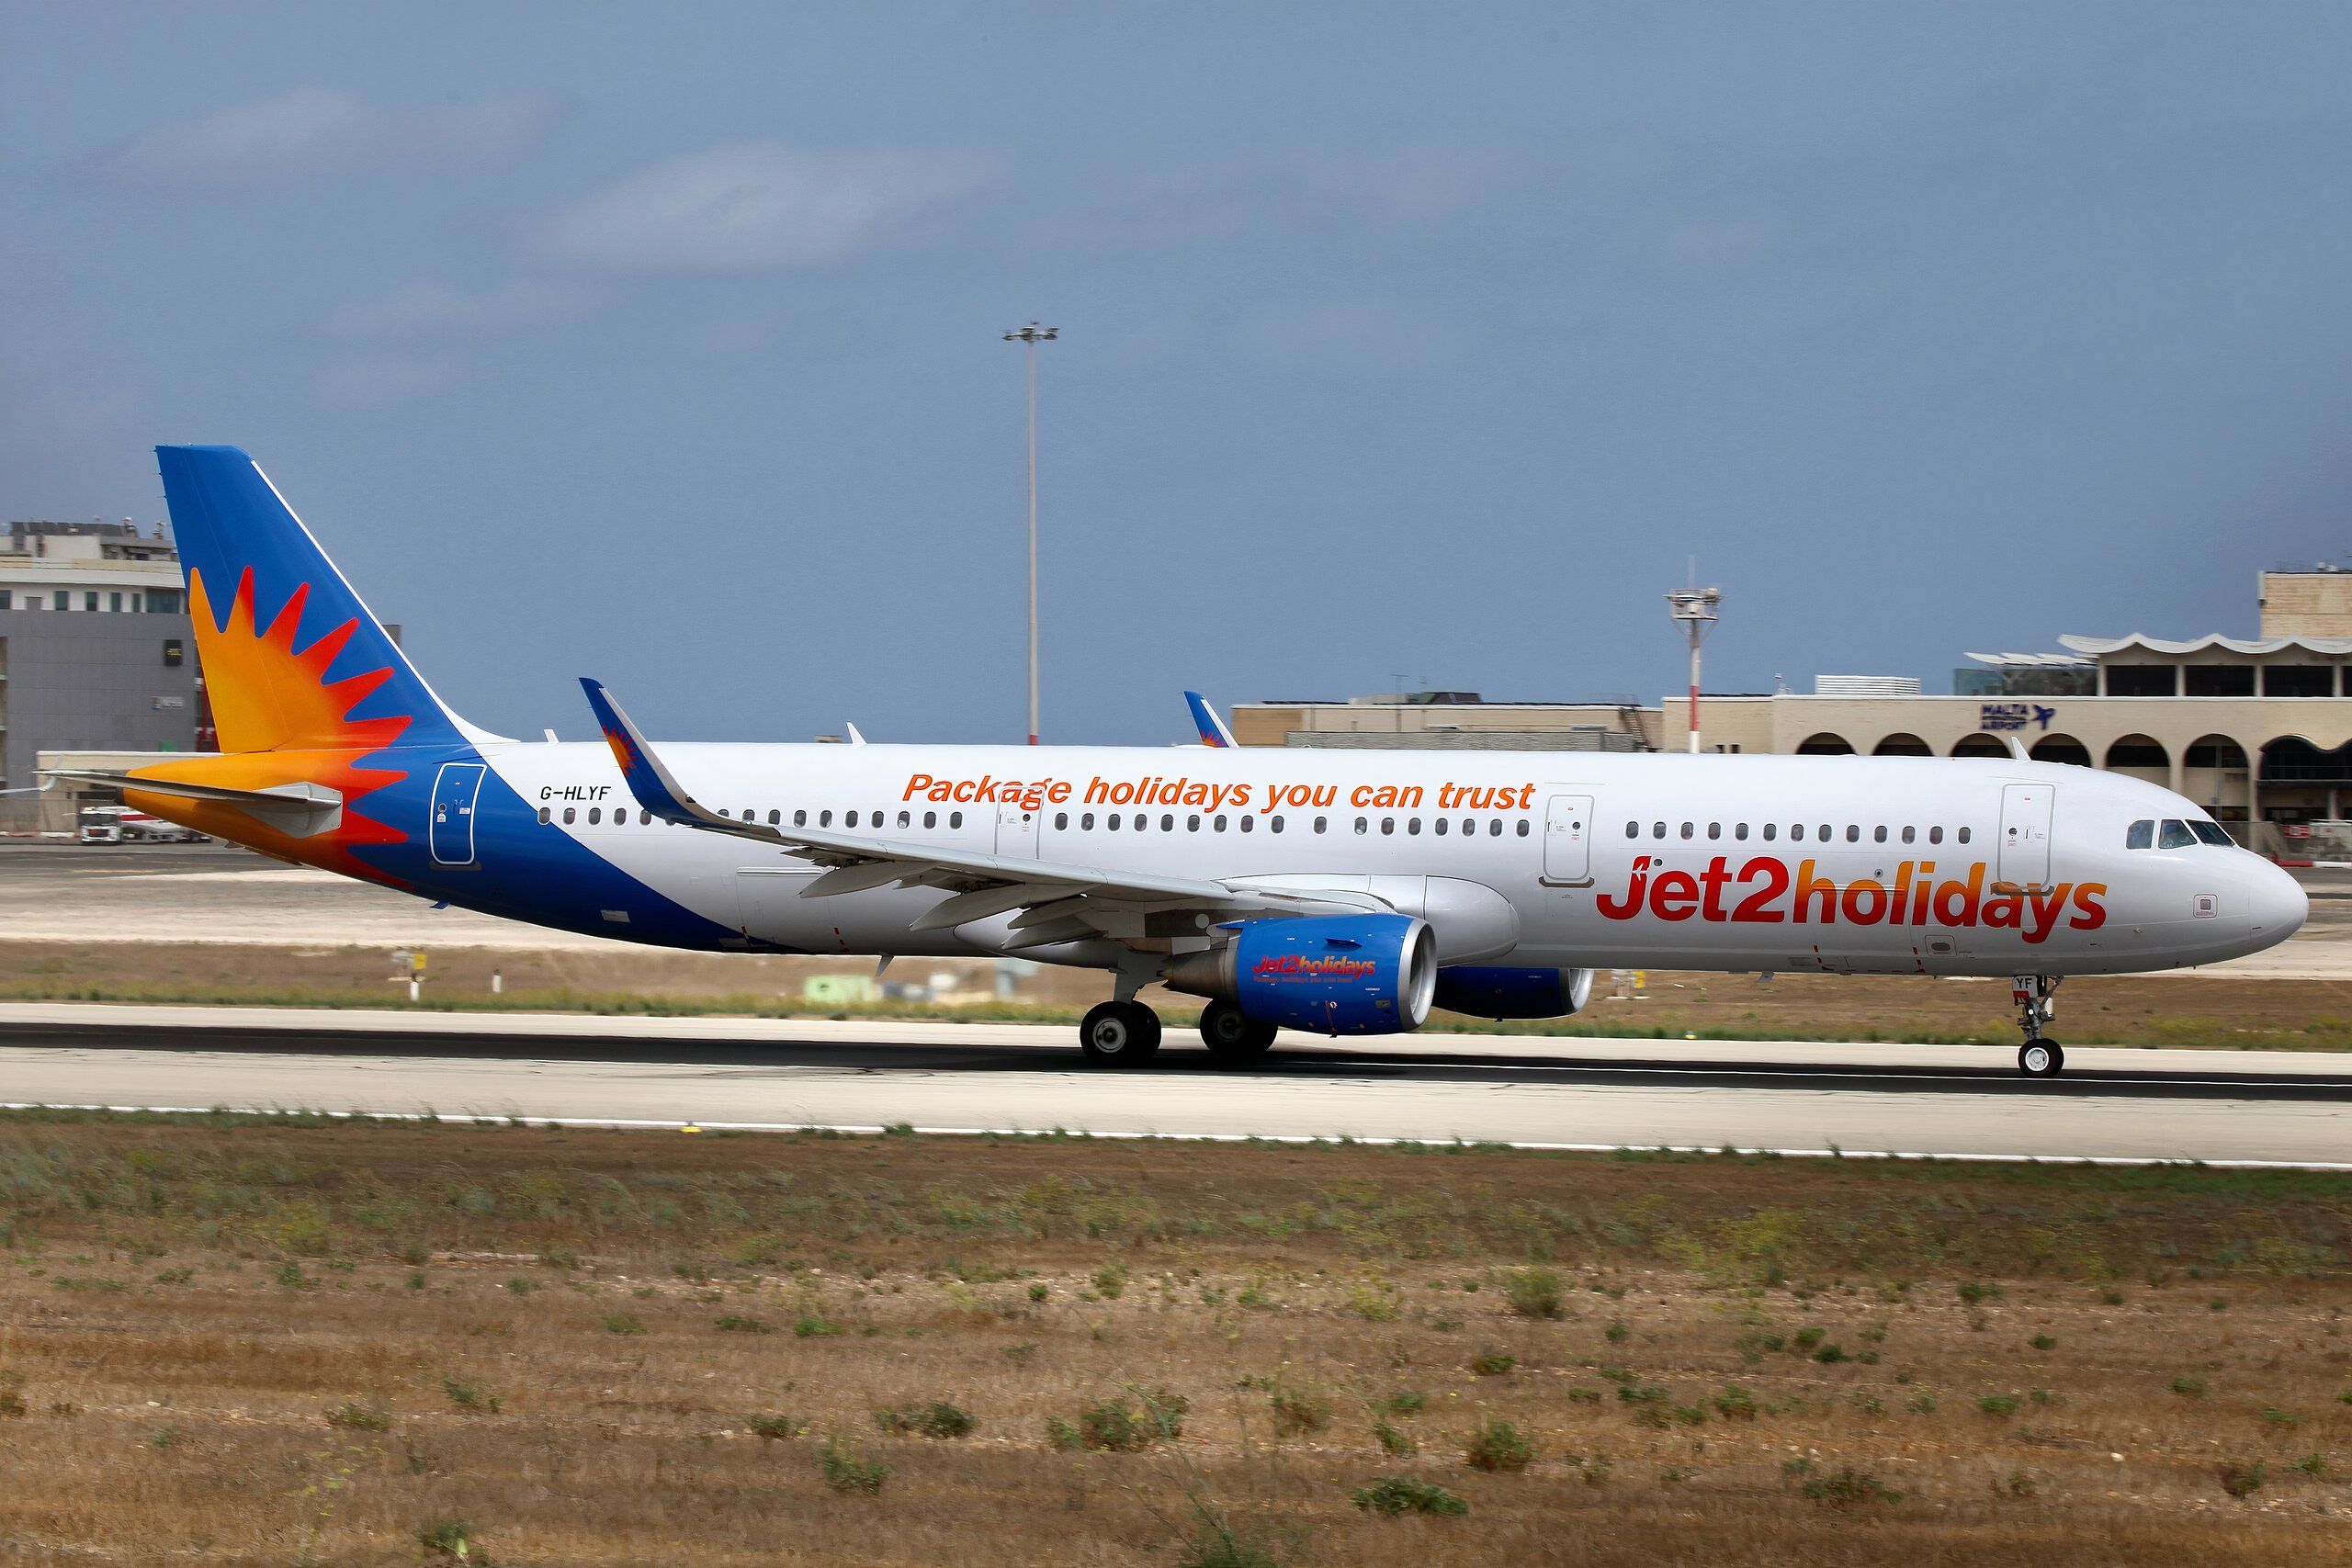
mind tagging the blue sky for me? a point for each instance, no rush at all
(661, 343)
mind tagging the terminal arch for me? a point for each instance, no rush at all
(1981, 745)
(2301, 783)
(2061, 749)
(1902, 744)
(2142, 757)
(1825, 744)
(2214, 774)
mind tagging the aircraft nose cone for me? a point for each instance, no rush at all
(2278, 903)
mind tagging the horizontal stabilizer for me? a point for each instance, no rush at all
(301, 808)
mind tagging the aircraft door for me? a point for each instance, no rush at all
(1017, 830)
(2025, 834)
(455, 789)
(1568, 840)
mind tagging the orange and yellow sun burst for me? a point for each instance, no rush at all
(282, 721)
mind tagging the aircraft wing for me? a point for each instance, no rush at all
(1058, 902)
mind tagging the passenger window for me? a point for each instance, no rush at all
(1413, 827)
(1470, 826)
(644, 819)
(1964, 835)
(1771, 832)
(1192, 823)
(1217, 822)
(800, 818)
(1276, 824)
(1522, 826)
(1910, 834)
(546, 814)
(1364, 825)
(1061, 821)
(1495, 828)
(1740, 832)
(1437, 826)
(1686, 830)
(596, 814)
(569, 817)
(904, 819)
(955, 819)
(1387, 824)
(774, 818)
(1853, 833)
(1248, 822)
(1086, 822)
(2211, 833)
(1796, 831)
(1878, 835)
(1715, 830)
(1632, 829)
(930, 818)
(1824, 833)
(2140, 834)
(2173, 835)
(1657, 829)
(849, 819)
(1320, 822)
(1935, 835)
(1167, 821)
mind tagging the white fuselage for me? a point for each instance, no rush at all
(1848, 864)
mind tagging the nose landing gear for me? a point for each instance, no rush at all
(2040, 1056)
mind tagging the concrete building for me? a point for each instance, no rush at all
(2257, 729)
(96, 652)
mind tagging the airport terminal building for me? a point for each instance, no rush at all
(96, 653)
(2257, 729)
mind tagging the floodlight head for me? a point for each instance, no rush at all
(1696, 610)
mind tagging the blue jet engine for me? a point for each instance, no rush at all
(1512, 993)
(1332, 974)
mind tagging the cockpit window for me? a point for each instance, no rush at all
(2174, 835)
(2140, 834)
(2211, 833)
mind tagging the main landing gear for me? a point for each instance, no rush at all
(2040, 1056)
(1120, 1035)
(1233, 1037)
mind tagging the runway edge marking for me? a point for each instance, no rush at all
(876, 1129)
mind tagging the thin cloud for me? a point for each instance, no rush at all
(759, 205)
(419, 309)
(315, 131)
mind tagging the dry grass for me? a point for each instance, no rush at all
(241, 1341)
(2158, 1009)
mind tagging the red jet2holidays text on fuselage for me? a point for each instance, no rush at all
(1338, 892)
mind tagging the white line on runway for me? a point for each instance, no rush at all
(876, 1129)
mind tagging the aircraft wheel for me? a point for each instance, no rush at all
(1119, 1034)
(1232, 1037)
(2041, 1058)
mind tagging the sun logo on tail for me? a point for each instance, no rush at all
(281, 720)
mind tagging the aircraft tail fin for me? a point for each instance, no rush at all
(292, 659)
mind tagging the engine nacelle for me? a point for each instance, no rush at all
(1332, 974)
(1513, 993)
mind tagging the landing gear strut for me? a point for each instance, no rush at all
(1232, 1037)
(1120, 1035)
(2040, 1056)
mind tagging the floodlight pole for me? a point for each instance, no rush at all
(1696, 611)
(1029, 337)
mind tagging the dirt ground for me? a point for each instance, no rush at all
(2203, 1010)
(296, 1340)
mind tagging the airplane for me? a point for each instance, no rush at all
(1341, 892)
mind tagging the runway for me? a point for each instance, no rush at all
(1959, 1101)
